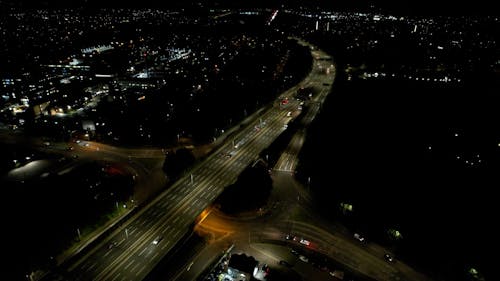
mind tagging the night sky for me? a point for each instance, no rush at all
(409, 7)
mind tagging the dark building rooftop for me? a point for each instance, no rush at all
(243, 262)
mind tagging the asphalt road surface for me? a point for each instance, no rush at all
(133, 250)
(291, 212)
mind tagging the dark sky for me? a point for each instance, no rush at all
(424, 7)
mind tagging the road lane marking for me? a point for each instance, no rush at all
(107, 253)
(128, 265)
(135, 267)
(165, 245)
(140, 270)
(142, 251)
(165, 229)
(116, 276)
(92, 266)
(155, 255)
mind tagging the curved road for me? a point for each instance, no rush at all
(291, 212)
(132, 251)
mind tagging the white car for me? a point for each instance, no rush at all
(157, 240)
(303, 258)
(359, 237)
(304, 241)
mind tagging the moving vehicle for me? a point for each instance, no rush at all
(157, 240)
(388, 258)
(358, 237)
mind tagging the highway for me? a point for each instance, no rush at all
(291, 211)
(132, 251)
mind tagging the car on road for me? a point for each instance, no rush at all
(303, 258)
(358, 237)
(304, 241)
(388, 258)
(285, 263)
(338, 274)
(157, 240)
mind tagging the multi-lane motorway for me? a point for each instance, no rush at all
(132, 251)
(291, 212)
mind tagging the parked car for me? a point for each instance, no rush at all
(285, 263)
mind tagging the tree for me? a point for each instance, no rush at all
(178, 161)
(250, 191)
